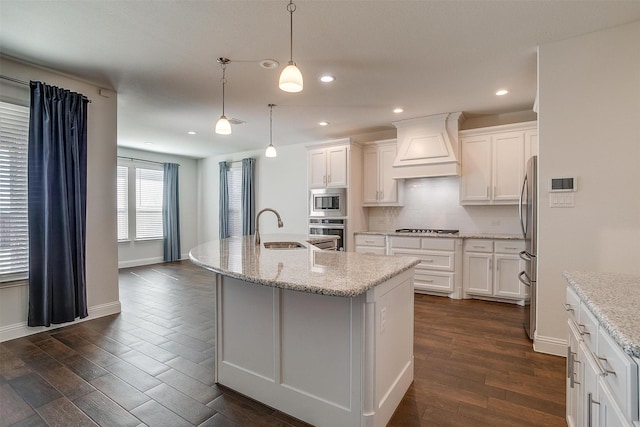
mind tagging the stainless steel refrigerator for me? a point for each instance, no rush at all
(528, 210)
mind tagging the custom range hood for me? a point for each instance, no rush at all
(428, 146)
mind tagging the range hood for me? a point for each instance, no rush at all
(428, 146)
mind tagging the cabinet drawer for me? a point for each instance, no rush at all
(370, 250)
(405, 242)
(439, 244)
(370, 240)
(429, 260)
(588, 327)
(475, 245)
(441, 282)
(573, 305)
(623, 380)
(509, 246)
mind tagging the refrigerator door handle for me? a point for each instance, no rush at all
(528, 280)
(524, 185)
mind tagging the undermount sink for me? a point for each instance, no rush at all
(283, 245)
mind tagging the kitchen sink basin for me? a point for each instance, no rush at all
(284, 245)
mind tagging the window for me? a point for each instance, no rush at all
(139, 206)
(123, 202)
(149, 203)
(14, 231)
(234, 182)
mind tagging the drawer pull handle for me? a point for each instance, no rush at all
(427, 260)
(601, 366)
(583, 330)
(428, 280)
(511, 249)
(590, 403)
(478, 246)
(568, 307)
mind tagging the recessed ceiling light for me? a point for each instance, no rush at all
(398, 110)
(502, 92)
(323, 123)
(269, 64)
(327, 79)
(148, 143)
(191, 132)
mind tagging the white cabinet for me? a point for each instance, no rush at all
(327, 167)
(378, 186)
(493, 162)
(440, 263)
(491, 270)
(371, 244)
(602, 380)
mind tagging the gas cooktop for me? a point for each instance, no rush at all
(426, 230)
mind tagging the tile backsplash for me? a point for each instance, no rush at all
(435, 203)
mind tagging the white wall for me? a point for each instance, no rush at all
(101, 249)
(133, 253)
(589, 126)
(435, 203)
(281, 183)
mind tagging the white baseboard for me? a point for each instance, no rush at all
(146, 261)
(550, 345)
(18, 330)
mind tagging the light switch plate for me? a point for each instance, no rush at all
(561, 200)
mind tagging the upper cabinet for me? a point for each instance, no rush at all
(493, 162)
(328, 167)
(379, 188)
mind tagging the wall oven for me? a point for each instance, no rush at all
(329, 227)
(327, 202)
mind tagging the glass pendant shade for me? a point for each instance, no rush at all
(223, 127)
(271, 151)
(291, 78)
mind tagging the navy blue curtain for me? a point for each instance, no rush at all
(170, 213)
(248, 197)
(223, 209)
(57, 184)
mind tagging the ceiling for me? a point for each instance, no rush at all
(428, 57)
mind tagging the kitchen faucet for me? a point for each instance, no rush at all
(280, 224)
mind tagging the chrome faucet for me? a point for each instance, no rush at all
(280, 224)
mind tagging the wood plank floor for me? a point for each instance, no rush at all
(153, 365)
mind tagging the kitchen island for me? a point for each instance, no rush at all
(324, 336)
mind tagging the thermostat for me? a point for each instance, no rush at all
(557, 185)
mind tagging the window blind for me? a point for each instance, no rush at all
(234, 182)
(149, 203)
(14, 231)
(122, 185)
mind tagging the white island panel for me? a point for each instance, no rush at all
(316, 346)
(252, 302)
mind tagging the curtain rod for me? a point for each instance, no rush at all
(143, 160)
(22, 82)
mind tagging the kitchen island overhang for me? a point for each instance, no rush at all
(324, 336)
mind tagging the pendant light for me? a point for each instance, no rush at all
(291, 77)
(223, 127)
(271, 150)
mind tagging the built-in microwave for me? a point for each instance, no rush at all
(328, 202)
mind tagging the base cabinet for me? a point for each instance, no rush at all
(491, 270)
(439, 270)
(602, 380)
(371, 244)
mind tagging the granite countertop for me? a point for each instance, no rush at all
(335, 273)
(614, 300)
(493, 236)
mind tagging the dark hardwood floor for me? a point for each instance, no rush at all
(153, 364)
